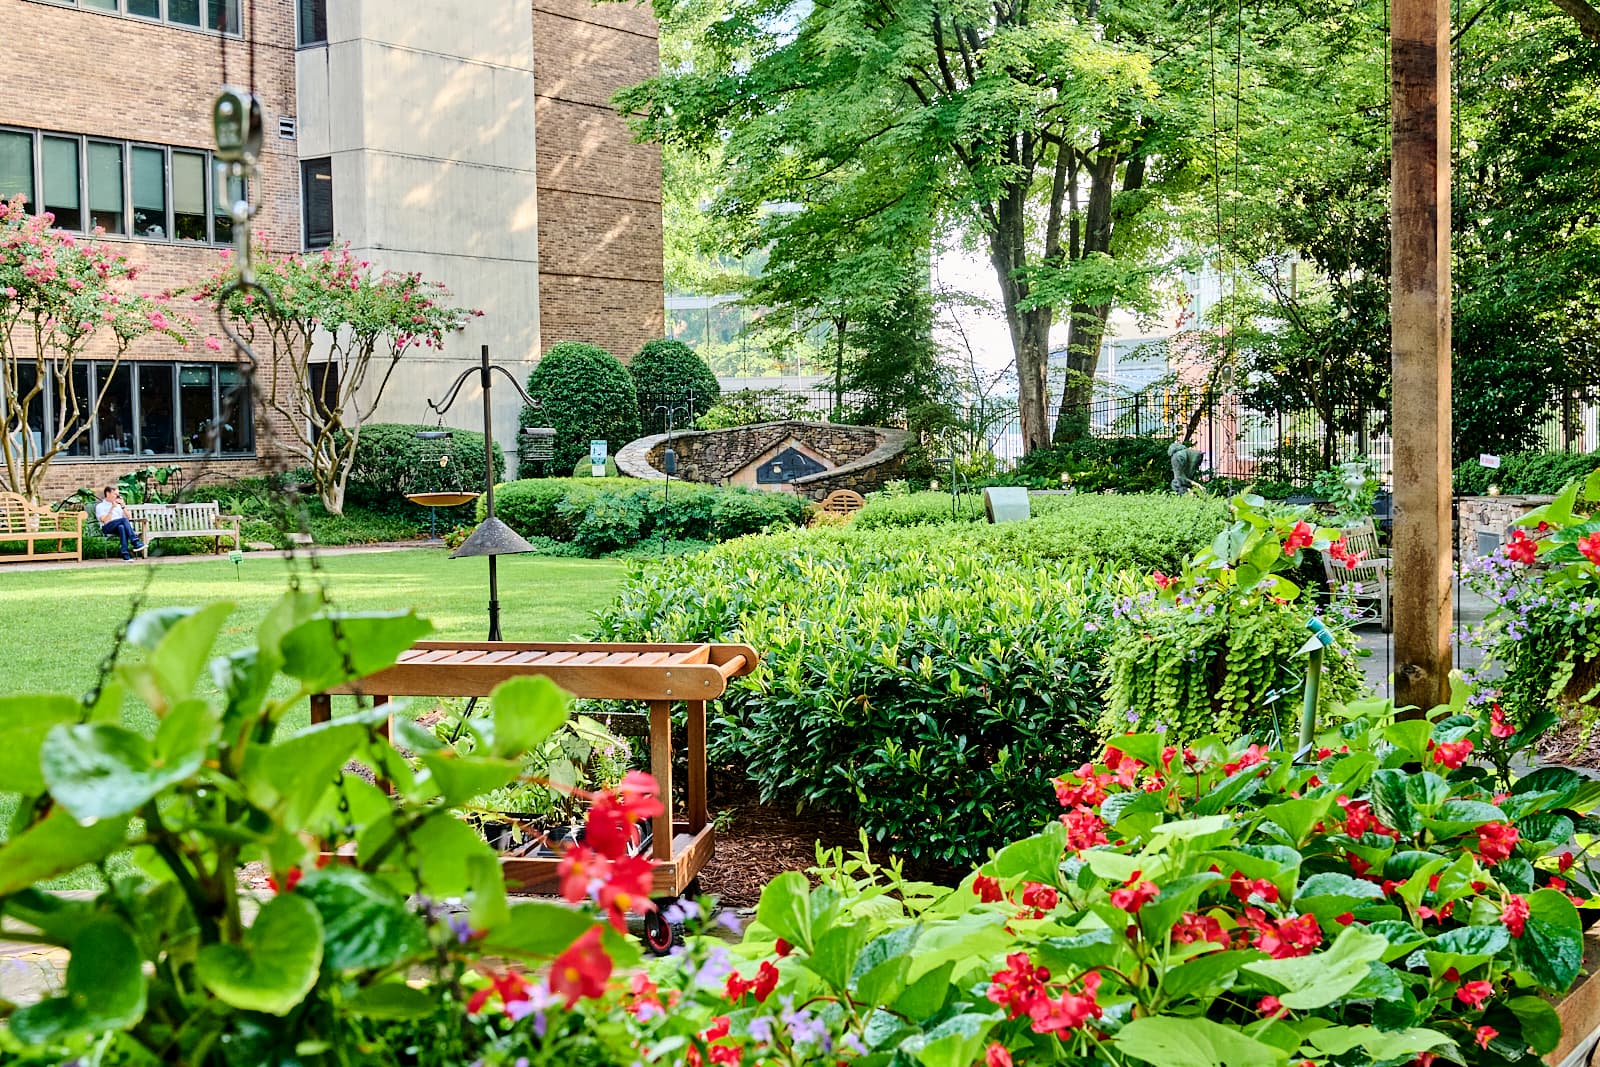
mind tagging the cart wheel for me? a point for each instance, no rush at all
(659, 934)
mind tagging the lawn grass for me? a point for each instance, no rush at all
(60, 623)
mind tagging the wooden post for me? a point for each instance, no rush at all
(1420, 321)
(661, 768)
(696, 785)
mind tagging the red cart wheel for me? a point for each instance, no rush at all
(659, 934)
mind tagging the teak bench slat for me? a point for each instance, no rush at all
(659, 674)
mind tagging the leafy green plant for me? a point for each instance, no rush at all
(668, 372)
(1534, 473)
(745, 406)
(585, 394)
(917, 509)
(176, 966)
(391, 461)
(1097, 464)
(1218, 644)
(1351, 489)
(1541, 640)
(600, 516)
(1383, 900)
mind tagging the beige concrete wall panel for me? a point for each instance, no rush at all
(587, 63)
(447, 208)
(314, 78)
(432, 105)
(485, 31)
(587, 150)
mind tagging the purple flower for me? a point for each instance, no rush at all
(761, 1029)
(681, 911)
(729, 921)
(717, 967)
(459, 926)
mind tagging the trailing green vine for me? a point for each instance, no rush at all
(1217, 649)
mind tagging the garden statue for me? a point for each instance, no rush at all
(1185, 465)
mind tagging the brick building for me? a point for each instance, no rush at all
(473, 142)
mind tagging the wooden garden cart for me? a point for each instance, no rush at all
(657, 674)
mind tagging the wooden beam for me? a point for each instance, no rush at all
(1420, 320)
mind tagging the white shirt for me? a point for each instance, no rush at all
(105, 511)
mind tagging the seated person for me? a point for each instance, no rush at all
(114, 522)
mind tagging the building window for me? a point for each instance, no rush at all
(194, 14)
(105, 186)
(316, 193)
(313, 22)
(16, 165)
(149, 167)
(86, 184)
(154, 409)
(188, 195)
(61, 184)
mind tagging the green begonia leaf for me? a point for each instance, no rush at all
(366, 924)
(1166, 1041)
(525, 712)
(99, 771)
(392, 1000)
(1378, 1044)
(536, 930)
(1551, 945)
(315, 651)
(24, 722)
(105, 988)
(274, 966)
(1541, 1026)
(1318, 980)
(55, 845)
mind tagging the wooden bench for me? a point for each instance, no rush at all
(30, 525)
(842, 502)
(185, 520)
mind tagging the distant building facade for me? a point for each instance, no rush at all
(473, 142)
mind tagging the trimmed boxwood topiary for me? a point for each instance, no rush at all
(666, 372)
(587, 394)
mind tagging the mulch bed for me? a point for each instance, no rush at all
(761, 841)
(1568, 746)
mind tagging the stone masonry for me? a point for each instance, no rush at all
(600, 266)
(81, 71)
(861, 458)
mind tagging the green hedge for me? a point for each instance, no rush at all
(917, 509)
(1526, 472)
(585, 394)
(1098, 465)
(928, 695)
(600, 516)
(925, 681)
(392, 461)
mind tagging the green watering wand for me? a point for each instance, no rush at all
(1321, 639)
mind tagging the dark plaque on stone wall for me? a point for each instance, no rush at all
(786, 466)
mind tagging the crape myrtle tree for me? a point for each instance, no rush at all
(63, 301)
(330, 309)
(1058, 130)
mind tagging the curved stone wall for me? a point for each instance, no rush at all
(809, 458)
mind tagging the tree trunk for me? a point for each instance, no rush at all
(1087, 322)
(1030, 327)
(1088, 327)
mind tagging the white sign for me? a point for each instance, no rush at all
(597, 459)
(1487, 460)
